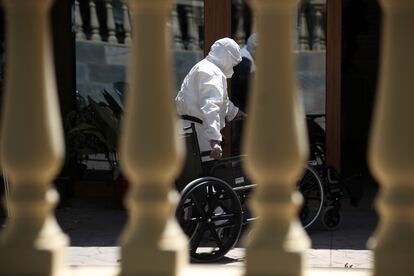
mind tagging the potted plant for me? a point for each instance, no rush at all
(94, 128)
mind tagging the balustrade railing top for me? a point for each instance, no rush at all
(109, 22)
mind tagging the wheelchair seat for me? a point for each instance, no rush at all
(192, 168)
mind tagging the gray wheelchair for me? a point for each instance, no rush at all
(212, 210)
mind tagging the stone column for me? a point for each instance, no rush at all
(303, 32)
(110, 22)
(80, 35)
(240, 36)
(319, 43)
(95, 27)
(392, 143)
(192, 27)
(32, 147)
(151, 152)
(276, 147)
(126, 22)
(177, 38)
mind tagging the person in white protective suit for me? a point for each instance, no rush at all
(203, 96)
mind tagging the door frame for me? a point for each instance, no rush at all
(333, 82)
(217, 14)
(217, 24)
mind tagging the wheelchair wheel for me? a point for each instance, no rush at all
(210, 214)
(310, 186)
(331, 218)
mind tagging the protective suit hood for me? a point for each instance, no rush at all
(252, 42)
(225, 53)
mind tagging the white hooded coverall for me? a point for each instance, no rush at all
(203, 92)
(246, 51)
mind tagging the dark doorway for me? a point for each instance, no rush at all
(361, 21)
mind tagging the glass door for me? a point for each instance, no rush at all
(309, 47)
(103, 35)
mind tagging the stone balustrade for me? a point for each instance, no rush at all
(311, 25)
(109, 21)
(32, 148)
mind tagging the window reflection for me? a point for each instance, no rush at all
(187, 27)
(309, 46)
(241, 21)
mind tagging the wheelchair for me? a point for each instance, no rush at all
(333, 184)
(212, 210)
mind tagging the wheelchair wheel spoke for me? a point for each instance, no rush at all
(227, 224)
(194, 220)
(210, 190)
(200, 208)
(222, 217)
(212, 204)
(215, 235)
(195, 241)
(187, 204)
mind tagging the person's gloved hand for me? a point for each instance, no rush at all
(216, 150)
(240, 116)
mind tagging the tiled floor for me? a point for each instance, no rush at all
(94, 233)
(316, 258)
(94, 227)
(208, 270)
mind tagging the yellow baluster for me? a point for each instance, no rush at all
(151, 151)
(392, 143)
(32, 147)
(276, 146)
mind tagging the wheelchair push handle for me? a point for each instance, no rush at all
(315, 116)
(205, 153)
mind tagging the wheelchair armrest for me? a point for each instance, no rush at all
(234, 158)
(229, 162)
(223, 160)
(187, 128)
